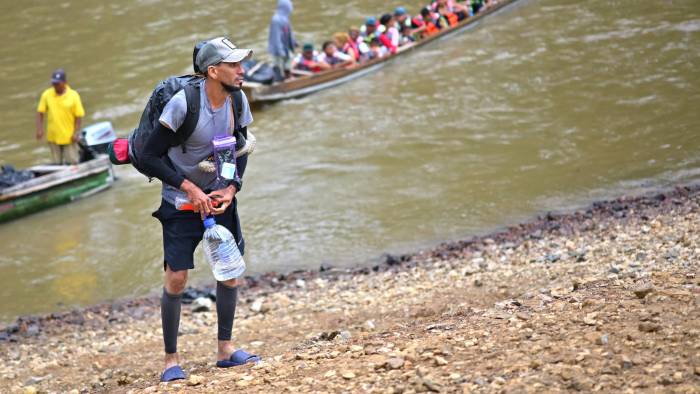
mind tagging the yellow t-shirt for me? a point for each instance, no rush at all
(62, 111)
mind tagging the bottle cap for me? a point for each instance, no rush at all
(209, 222)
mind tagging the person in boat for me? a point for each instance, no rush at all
(401, 18)
(64, 112)
(281, 42)
(346, 45)
(407, 36)
(333, 57)
(377, 50)
(362, 46)
(389, 35)
(176, 167)
(430, 22)
(452, 10)
(308, 61)
(368, 31)
(446, 17)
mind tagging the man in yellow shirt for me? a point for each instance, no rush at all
(65, 112)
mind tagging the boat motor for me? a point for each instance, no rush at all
(94, 140)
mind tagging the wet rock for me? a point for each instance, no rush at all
(202, 304)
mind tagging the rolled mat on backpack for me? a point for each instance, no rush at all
(119, 151)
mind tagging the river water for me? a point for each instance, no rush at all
(548, 105)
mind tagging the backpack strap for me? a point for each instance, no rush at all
(237, 103)
(191, 117)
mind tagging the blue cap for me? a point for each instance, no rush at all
(209, 222)
(371, 20)
(59, 75)
(307, 47)
(399, 11)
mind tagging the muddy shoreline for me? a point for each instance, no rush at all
(564, 224)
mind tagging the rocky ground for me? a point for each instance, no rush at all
(604, 299)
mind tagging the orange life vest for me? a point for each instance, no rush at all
(431, 28)
(452, 18)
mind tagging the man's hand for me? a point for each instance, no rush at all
(76, 137)
(200, 202)
(39, 134)
(224, 197)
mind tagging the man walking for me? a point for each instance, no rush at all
(281, 42)
(177, 167)
(65, 112)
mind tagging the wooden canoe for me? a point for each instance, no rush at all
(259, 93)
(55, 185)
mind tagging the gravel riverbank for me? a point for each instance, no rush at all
(602, 299)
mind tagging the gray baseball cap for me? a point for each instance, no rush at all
(220, 50)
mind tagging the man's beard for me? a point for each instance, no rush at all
(230, 88)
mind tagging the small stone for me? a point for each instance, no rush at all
(195, 380)
(590, 319)
(370, 325)
(300, 283)
(643, 290)
(348, 375)
(697, 370)
(626, 362)
(329, 374)
(602, 340)
(256, 306)
(523, 316)
(202, 304)
(440, 361)
(30, 390)
(395, 363)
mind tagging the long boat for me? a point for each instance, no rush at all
(258, 93)
(54, 185)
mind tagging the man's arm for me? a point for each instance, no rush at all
(154, 162)
(76, 132)
(39, 125)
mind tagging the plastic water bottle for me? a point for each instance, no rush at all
(221, 251)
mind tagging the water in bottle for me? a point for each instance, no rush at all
(221, 251)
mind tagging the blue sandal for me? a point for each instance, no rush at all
(239, 357)
(173, 373)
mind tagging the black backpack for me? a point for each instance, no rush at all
(162, 93)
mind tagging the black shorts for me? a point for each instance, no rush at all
(183, 230)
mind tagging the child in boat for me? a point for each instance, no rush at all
(308, 61)
(407, 36)
(333, 57)
(376, 49)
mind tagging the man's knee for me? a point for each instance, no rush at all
(231, 283)
(175, 281)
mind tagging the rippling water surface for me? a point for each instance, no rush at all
(546, 106)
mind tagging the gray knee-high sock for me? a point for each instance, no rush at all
(226, 298)
(170, 317)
